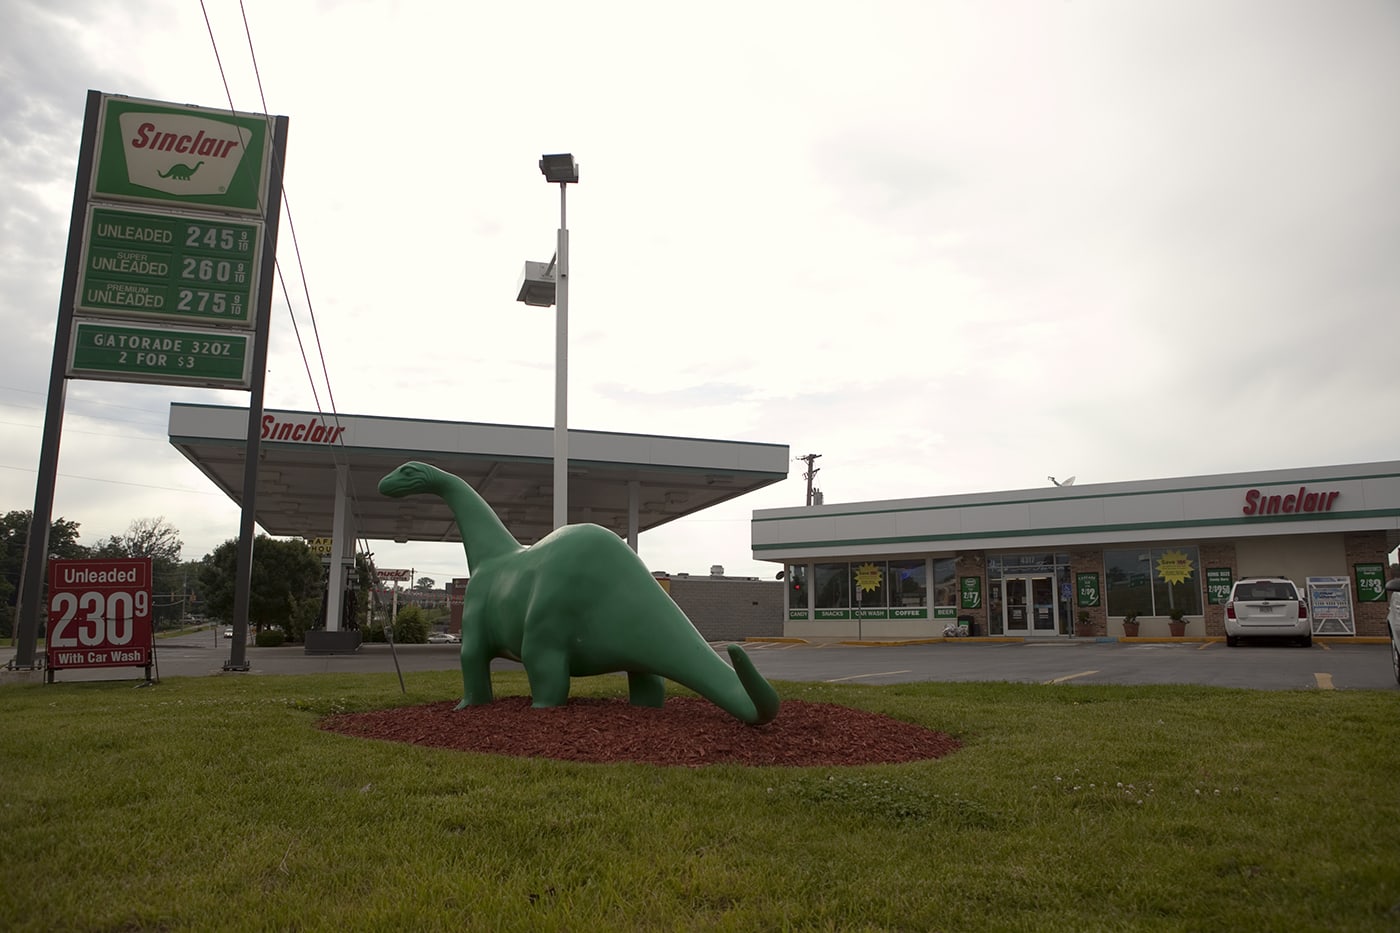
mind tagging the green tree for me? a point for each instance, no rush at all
(14, 539)
(286, 587)
(425, 584)
(159, 540)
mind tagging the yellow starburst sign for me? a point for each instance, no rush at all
(868, 577)
(1175, 567)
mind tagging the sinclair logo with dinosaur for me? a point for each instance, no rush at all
(169, 154)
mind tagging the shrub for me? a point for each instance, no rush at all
(410, 627)
(270, 638)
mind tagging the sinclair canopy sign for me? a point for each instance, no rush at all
(160, 153)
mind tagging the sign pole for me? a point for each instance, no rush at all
(243, 573)
(31, 588)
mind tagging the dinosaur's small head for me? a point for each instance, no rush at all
(412, 477)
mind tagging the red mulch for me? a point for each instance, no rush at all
(688, 731)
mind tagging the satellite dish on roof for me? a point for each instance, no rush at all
(1068, 482)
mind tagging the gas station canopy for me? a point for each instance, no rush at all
(654, 479)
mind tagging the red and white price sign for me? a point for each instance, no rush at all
(100, 612)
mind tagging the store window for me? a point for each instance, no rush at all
(908, 583)
(1152, 581)
(796, 575)
(832, 583)
(873, 584)
(945, 585)
(868, 584)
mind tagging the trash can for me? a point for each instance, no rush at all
(968, 623)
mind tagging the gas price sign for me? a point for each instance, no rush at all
(99, 613)
(192, 268)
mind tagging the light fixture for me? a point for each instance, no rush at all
(537, 285)
(559, 168)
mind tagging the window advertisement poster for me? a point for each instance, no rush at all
(1087, 590)
(970, 592)
(1370, 583)
(1218, 583)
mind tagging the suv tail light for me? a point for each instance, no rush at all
(1229, 610)
(1302, 609)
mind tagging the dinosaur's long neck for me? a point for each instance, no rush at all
(483, 535)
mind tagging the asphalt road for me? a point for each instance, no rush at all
(1331, 665)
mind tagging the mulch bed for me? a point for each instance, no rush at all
(687, 731)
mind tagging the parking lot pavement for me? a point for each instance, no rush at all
(1343, 666)
(1333, 664)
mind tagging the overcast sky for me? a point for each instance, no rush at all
(950, 246)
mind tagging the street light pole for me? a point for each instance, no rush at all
(561, 364)
(542, 285)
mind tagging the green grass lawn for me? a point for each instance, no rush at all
(215, 803)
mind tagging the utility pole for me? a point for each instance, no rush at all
(811, 474)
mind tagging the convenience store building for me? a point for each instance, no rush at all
(1029, 562)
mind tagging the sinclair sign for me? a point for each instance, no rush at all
(194, 157)
(173, 245)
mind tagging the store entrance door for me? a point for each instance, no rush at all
(1029, 607)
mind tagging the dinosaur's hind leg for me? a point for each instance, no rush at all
(645, 689)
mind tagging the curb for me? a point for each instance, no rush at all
(1017, 640)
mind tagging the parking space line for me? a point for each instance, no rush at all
(1324, 681)
(836, 680)
(1060, 680)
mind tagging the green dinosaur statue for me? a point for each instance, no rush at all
(578, 602)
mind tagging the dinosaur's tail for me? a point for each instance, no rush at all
(761, 693)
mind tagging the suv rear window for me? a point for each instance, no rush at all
(1265, 590)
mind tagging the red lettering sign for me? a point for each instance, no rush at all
(303, 432)
(99, 613)
(1289, 503)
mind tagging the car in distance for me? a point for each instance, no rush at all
(1266, 607)
(1392, 620)
(228, 631)
(443, 638)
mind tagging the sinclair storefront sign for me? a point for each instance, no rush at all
(192, 157)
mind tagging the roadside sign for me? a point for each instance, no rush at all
(399, 575)
(197, 269)
(132, 353)
(198, 157)
(1329, 605)
(99, 613)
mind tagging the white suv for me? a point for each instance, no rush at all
(1392, 618)
(1266, 606)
